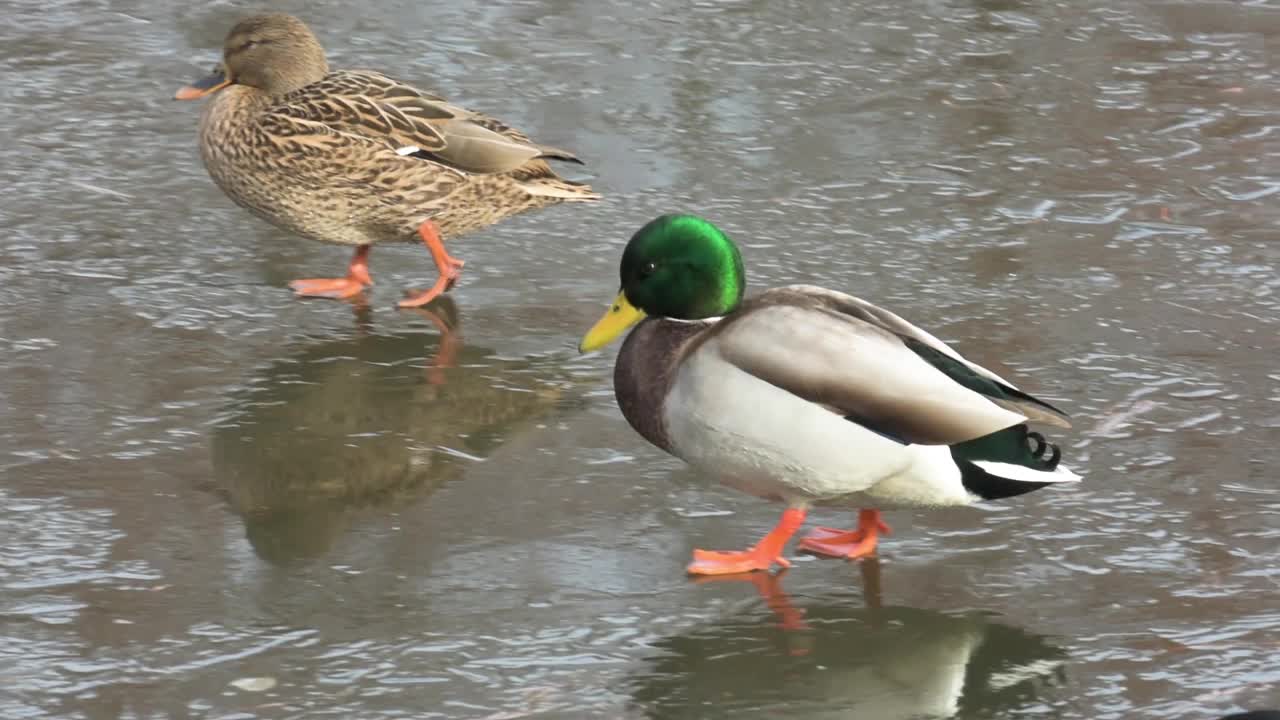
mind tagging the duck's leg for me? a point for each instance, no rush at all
(449, 267)
(851, 544)
(761, 556)
(354, 283)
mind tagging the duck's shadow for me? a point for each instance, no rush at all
(341, 424)
(831, 656)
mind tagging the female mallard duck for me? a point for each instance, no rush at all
(354, 157)
(808, 396)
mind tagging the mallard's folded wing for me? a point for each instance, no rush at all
(413, 123)
(802, 342)
(937, 353)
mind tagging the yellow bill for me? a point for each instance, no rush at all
(620, 316)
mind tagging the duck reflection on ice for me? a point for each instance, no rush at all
(822, 657)
(362, 421)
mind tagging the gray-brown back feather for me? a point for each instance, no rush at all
(850, 356)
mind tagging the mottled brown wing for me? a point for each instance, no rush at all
(413, 123)
(359, 104)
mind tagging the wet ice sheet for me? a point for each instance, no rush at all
(221, 502)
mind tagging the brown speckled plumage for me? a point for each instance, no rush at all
(327, 154)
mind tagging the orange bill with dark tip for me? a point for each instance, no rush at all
(204, 86)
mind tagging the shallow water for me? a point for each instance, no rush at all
(218, 501)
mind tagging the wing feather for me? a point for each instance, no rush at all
(1004, 393)
(809, 342)
(375, 107)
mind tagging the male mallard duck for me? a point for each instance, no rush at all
(355, 157)
(808, 396)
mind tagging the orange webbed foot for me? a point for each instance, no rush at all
(339, 288)
(449, 267)
(760, 557)
(353, 284)
(443, 284)
(850, 544)
(728, 562)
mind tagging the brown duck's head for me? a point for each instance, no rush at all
(276, 54)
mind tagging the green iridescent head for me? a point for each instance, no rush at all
(676, 266)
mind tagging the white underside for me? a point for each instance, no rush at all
(763, 440)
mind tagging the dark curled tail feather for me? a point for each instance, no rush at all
(1011, 446)
(555, 153)
(1041, 446)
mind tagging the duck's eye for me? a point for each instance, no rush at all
(648, 269)
(248, 44)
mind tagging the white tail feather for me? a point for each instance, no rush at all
(1009, 471)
